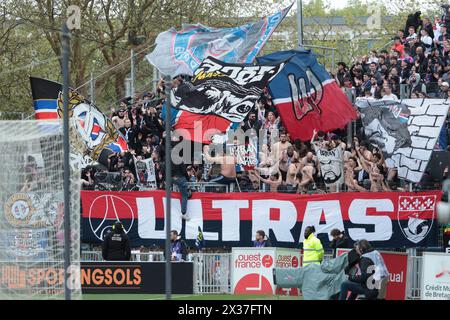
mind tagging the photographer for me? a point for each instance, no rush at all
(372, 267)
(339, 240)
(129, 182)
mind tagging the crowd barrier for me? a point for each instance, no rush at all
(212, 273)
(311, 189)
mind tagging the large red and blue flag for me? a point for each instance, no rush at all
(305, 95)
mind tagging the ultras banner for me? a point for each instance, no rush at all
(387, 219)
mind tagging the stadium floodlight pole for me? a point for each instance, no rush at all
(168, 175)
(300, 23)
(65, 44)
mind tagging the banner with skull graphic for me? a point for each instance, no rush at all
(225, 89)
(405, 131)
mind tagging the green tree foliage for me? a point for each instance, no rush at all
(30, 39)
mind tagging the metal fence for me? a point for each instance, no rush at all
(212, 273)
(88, 256)
(414, 277)
(147, 256)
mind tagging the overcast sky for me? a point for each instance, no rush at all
(338, 4)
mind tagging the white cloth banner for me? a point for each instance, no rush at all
(246, 155)
(145, 172)
(331, 165)
(406, 131)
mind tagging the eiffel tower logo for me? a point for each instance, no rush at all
(306, 94)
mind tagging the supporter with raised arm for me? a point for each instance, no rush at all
(227, 165)
(274, 180)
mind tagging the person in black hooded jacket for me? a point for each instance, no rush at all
(414, 21)
(116, 245)
(339, 240)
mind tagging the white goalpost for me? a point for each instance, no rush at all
(32, 213)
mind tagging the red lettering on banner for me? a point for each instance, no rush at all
(275, 214)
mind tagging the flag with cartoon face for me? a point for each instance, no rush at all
(93, 135)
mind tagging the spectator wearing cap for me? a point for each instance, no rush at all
(125, 103)
(252, 122)
(443, 91)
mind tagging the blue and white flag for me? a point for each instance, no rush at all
(200, 241)
(181, 52)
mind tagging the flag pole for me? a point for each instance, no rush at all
(168, 176)
(300, 23)
(65, 46)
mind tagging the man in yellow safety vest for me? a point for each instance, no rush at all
(312, 247)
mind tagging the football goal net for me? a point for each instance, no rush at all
(32, 233)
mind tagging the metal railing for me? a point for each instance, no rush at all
(414, 277)
(147, 256)
(212, 273)
(209, 187)
(88, 256)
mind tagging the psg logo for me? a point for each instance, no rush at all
(105, 210)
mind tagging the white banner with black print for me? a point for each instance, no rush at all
(405, 131)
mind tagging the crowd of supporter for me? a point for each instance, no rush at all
(419, 59)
